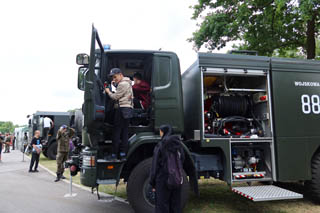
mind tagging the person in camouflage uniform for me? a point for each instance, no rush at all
(1, 143)
(63, 137)
(7, 143)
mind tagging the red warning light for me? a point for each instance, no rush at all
(263, 98)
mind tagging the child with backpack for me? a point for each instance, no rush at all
(166, 177)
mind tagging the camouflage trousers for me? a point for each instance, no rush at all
(61, 158)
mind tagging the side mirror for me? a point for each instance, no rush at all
(82, 59)
(82, 77)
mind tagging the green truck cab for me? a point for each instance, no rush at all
(241, 119)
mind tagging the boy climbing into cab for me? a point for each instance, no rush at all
(122, 114)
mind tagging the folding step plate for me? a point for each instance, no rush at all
(266, 193)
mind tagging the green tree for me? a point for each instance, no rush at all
(7, 126)
(262, 25)
(296, 52)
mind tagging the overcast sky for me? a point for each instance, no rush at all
(39, 41)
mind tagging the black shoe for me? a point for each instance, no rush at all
(63, 177)
(36, 170)
(31, 171)
(58, 177)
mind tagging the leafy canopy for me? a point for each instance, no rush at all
(7, 127)
(263, 25)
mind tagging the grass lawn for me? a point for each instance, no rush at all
(216, 197)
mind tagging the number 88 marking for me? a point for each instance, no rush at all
(315, 104)
(308, 106)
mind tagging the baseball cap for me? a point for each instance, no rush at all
(114, 71)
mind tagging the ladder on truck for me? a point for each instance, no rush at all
(262, 192)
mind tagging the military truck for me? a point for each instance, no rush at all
(35, 122)
(19, 134)
(241, 118)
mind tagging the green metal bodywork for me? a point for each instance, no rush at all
(297, 134)
(88, 175)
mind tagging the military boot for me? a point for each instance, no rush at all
(58, 177)
(62, 177)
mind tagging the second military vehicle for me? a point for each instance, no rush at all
(241, 119)
(36, 123)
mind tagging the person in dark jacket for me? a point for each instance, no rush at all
(167, 200)
(141, 92)
(36, 150)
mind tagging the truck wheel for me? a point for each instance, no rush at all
(44, 152)
(140, 195)
(314, 185)
(52, 151)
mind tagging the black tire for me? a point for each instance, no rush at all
(313, 186)
(52, 150)
(139, 190)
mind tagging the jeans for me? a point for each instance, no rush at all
(120, 133)
(34, 159)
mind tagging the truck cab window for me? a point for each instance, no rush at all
(162, 72)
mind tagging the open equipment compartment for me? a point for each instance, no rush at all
(236, 107)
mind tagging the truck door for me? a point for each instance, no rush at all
(94, 97)
(167, 91)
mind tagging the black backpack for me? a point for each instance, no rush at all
(174, 167)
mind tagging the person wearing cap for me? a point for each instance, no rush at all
(122, 114)
(64, 135)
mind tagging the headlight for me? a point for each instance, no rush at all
(88, 161)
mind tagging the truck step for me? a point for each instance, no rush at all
(106, 182)
(116, 161)
(266, 193)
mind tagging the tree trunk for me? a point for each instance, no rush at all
(311, 41)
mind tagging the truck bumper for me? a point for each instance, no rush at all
(88, 176)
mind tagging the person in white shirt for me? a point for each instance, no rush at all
(47, 125)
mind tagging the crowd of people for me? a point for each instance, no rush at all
(6, 140)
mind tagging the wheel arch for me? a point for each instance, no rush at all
(143, 149)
